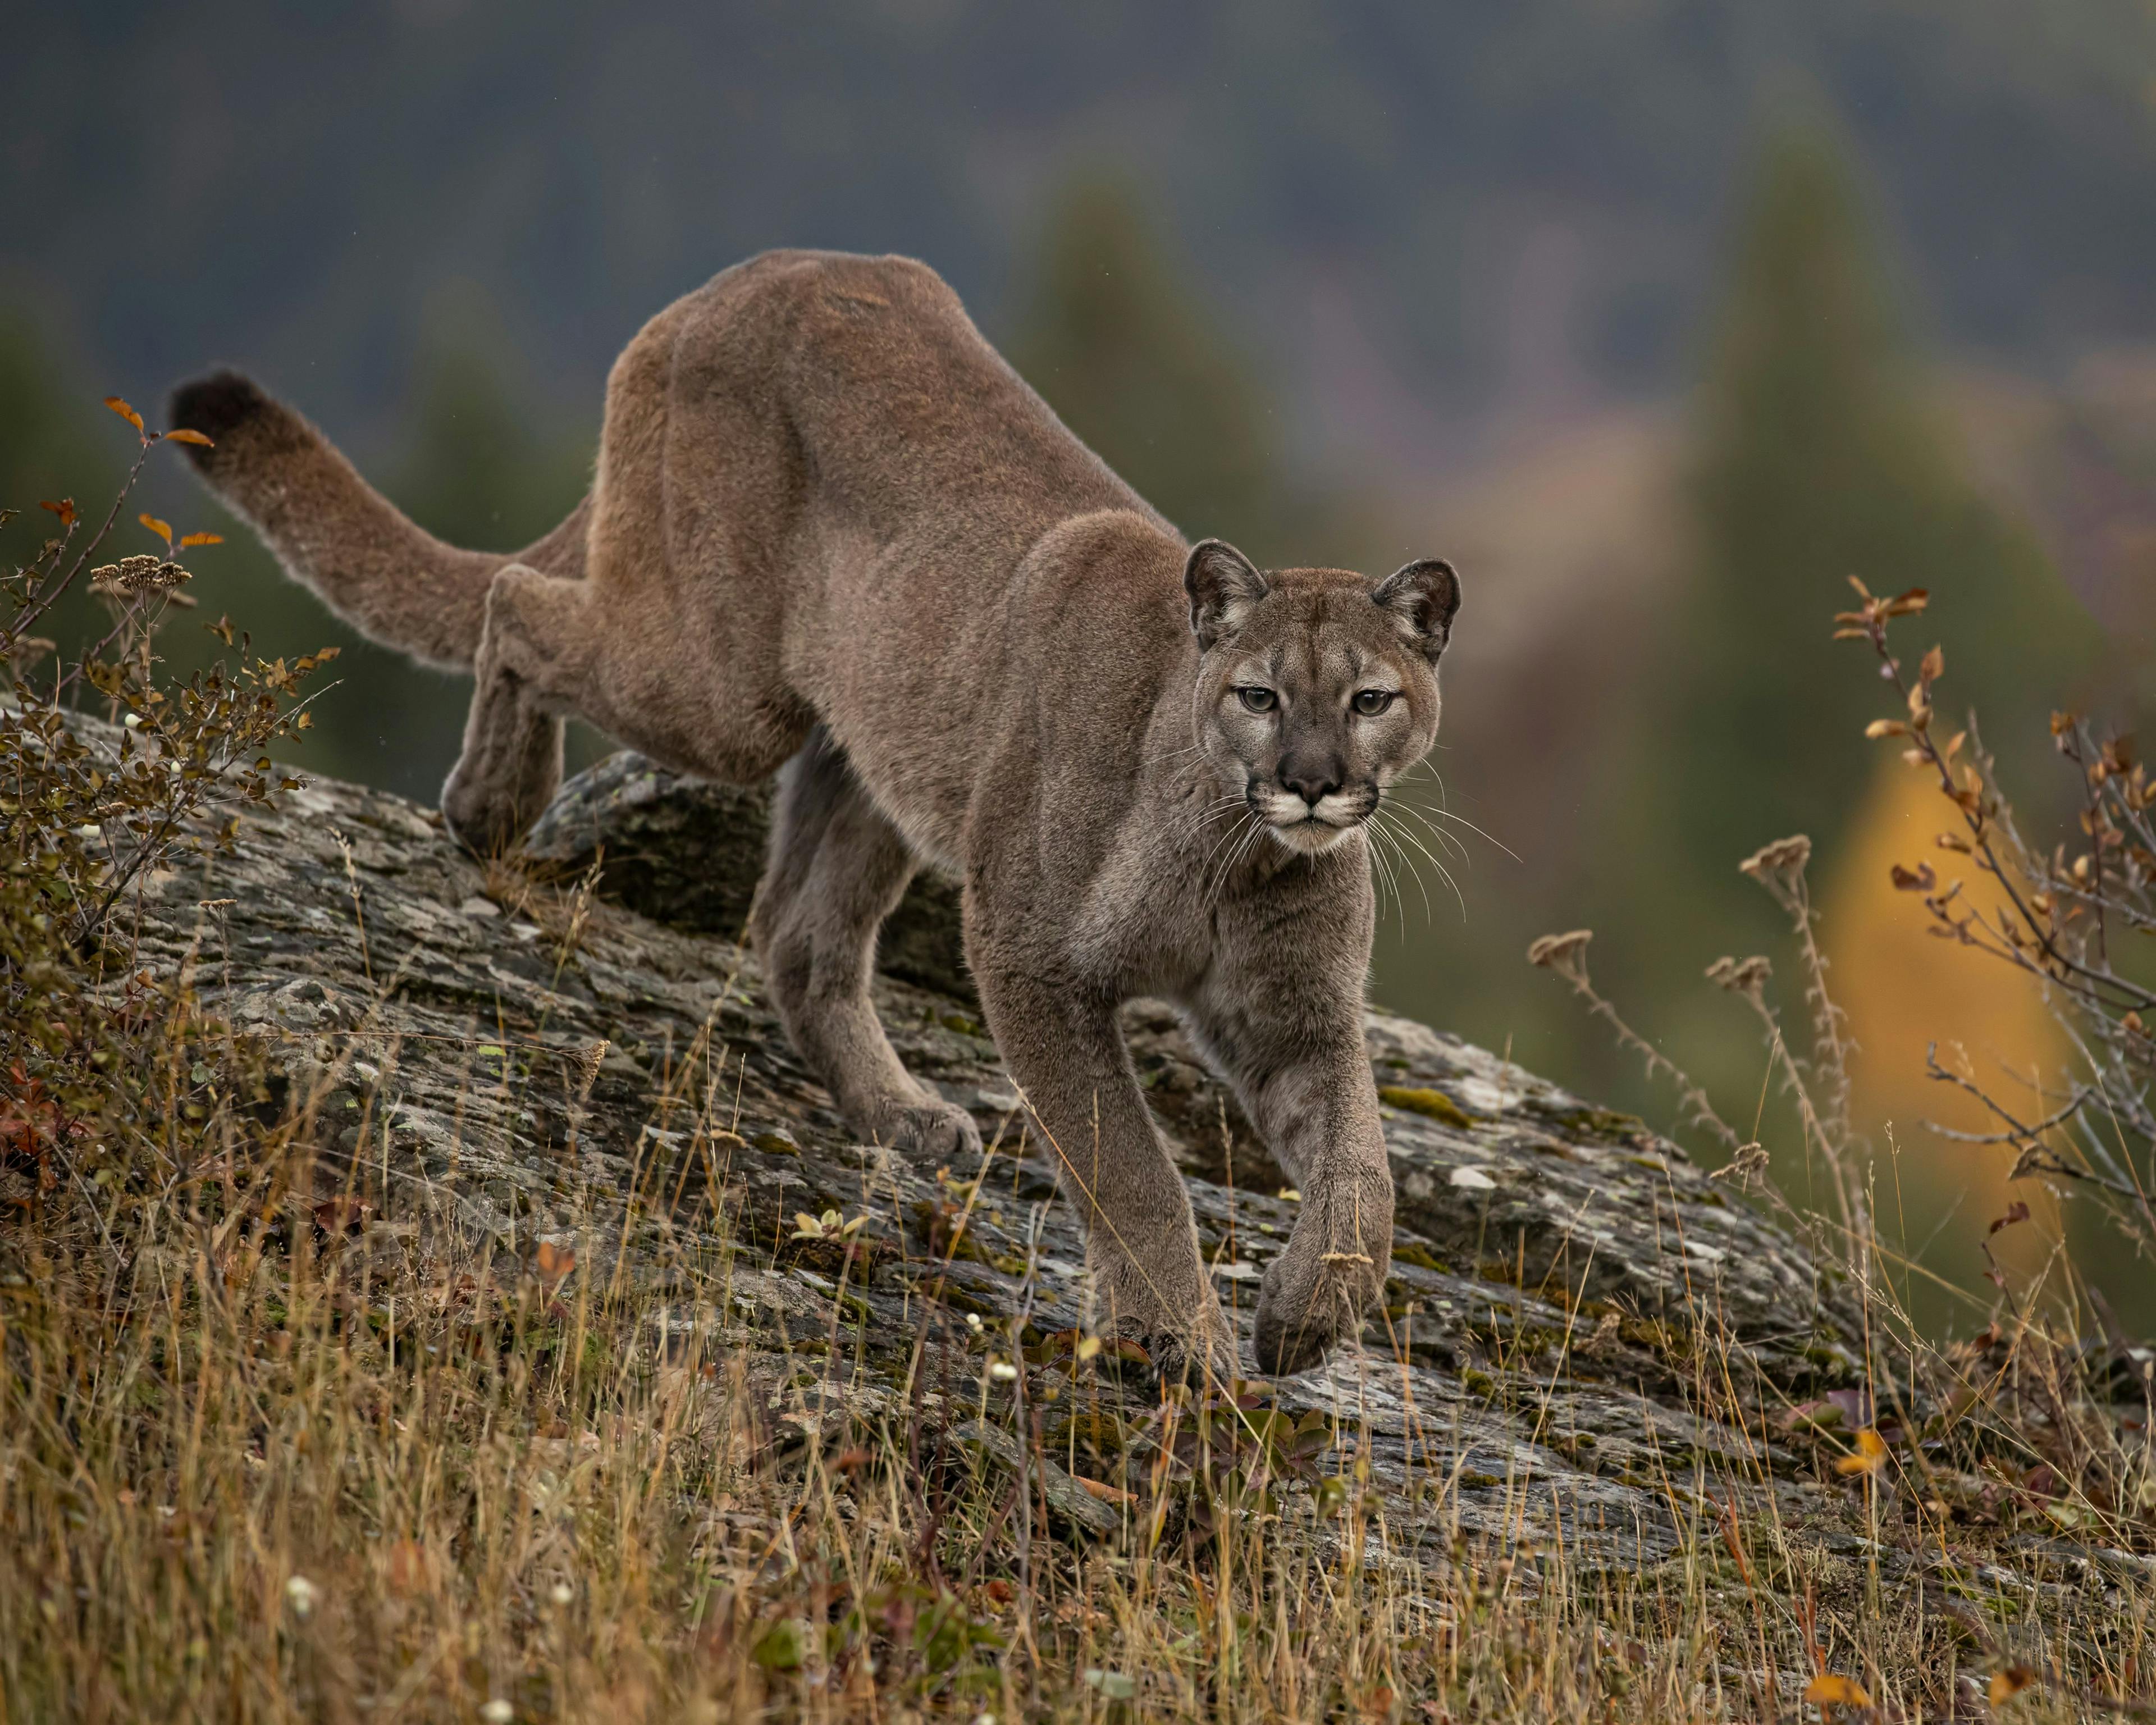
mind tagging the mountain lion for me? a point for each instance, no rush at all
(832, 534)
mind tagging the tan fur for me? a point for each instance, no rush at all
(832, 532)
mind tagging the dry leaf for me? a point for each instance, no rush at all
(192, 539)
(2009, 1683)
(1827, 1690)
(1934, 666)
(1871, 1456)
(2017, 1211)
(553, 1262)
(163, 530)
(184, 436)
(1885, 727)
(342, 1215)
(64, 509)
(126, 412)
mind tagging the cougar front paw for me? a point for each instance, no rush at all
(930, 1133)
(1189, 1354)
(1186, 1339)
(483, 823)
(1333, 1271)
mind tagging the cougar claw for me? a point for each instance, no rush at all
(1287, 1342)
(1303, 1309)
(934, 1132)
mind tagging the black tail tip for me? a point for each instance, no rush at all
(216, 406)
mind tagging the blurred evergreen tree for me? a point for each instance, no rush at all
(476, 472)
(44, 438)
(1136, 366)
(1820, 457)
(50, 447)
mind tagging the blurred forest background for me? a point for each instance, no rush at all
(1659, 317)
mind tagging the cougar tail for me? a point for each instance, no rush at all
(388, 578)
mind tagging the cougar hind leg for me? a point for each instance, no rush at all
(533, 653)
(837, 868)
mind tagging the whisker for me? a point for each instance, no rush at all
(1205, 868)
(1383, 870)
(1436, 777)
(1414, 874)
(1442, 813)
(1408, 833)
(1461, 820)
(1251, 840)
(1214, 810)
(1385, 843)
(1255, 832)
(1400, 805)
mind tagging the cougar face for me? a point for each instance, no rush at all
(1316, 688)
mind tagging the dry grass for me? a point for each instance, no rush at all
(277, 1446)
(276, 1441)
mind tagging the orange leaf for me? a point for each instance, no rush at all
(2017, 1211)
(2009, 1683)
(201, 539)
(1934, 666)
(64, 509)
(163, 530)
(1871, 1457)
(126, 412)
(553, 1262)
(1827, 1690)
(184, 436)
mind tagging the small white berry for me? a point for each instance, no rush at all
(973, 1320)
(302, 1595)
(1004, 1371)
(563, 1593)
(497, 1712)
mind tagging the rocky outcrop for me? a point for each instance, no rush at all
(593, 1062)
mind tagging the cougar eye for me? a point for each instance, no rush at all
(1370, 702)
(1257, 698)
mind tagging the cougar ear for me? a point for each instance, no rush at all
(1223, 585)
(1423, 597)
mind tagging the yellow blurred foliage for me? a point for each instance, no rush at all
(1904, 987)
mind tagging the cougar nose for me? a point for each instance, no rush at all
(1311, 780)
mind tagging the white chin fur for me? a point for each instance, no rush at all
(1309, 837)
